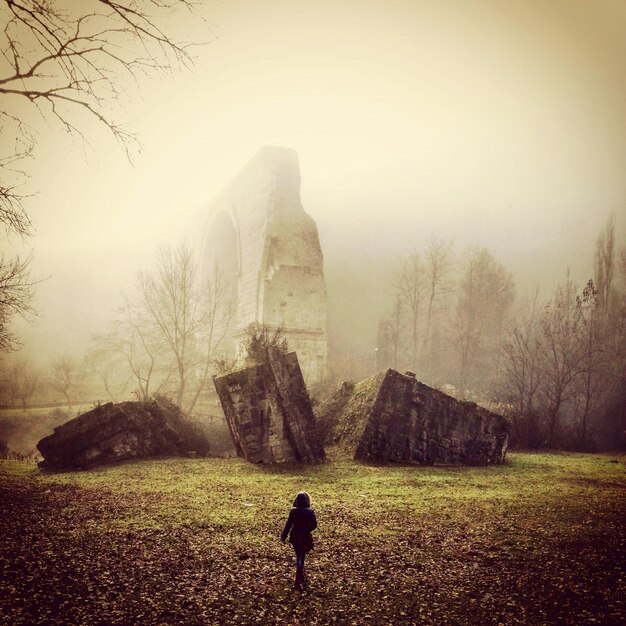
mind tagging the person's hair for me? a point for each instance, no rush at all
(302, 500)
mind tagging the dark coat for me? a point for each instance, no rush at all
(301, 522)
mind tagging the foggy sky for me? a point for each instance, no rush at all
(497, 123)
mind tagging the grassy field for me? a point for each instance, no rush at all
(539, 540)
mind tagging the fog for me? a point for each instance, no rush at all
(491, 123)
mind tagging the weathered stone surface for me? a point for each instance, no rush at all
(393, 417)
(267, 247)
(269, 411)
(116, 432)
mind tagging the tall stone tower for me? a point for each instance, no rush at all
(267, 246)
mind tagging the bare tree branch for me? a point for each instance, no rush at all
(64, 374)
(16, 293)
(69, 62)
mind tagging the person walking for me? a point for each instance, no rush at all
(300, 523)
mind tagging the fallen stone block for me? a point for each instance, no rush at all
(269, 413)
(394, 417)
(117, 432)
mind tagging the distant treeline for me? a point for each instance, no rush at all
(555, 366)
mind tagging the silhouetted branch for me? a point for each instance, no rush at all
(16, 293)
(64, 63)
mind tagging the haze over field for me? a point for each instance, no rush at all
(492, 123)
(435, 352)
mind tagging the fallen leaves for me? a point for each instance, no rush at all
(151, 543)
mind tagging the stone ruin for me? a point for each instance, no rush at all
(267, 248)
(393, 417)
(269, 412)
(118, 432)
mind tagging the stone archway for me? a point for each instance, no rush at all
(260, 235)
(222, 247)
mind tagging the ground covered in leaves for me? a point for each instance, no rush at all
(175, 541)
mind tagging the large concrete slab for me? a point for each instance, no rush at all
(394, 417)
(269, 412)
(118, 432)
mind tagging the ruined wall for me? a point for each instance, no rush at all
(269, 412)
(117, 432)
(394, 417)
(260, 235)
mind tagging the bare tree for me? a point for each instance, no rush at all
(16, 294)
(22, 380)
(106, 363)
(612, 421)
(521, 371)
(390, 330)
(64, 373)
(564, 369)
(170, 302)
(169, 330)
(412, 286)
(439, 264)
(604, 266)
(12, 212)
(410, 332)
(438, 267)
(484, 298)
(67, 63)
(395, 329)
(560, 327)
(189, 319)
(218, 302)
(136, 346)
(593, 381)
